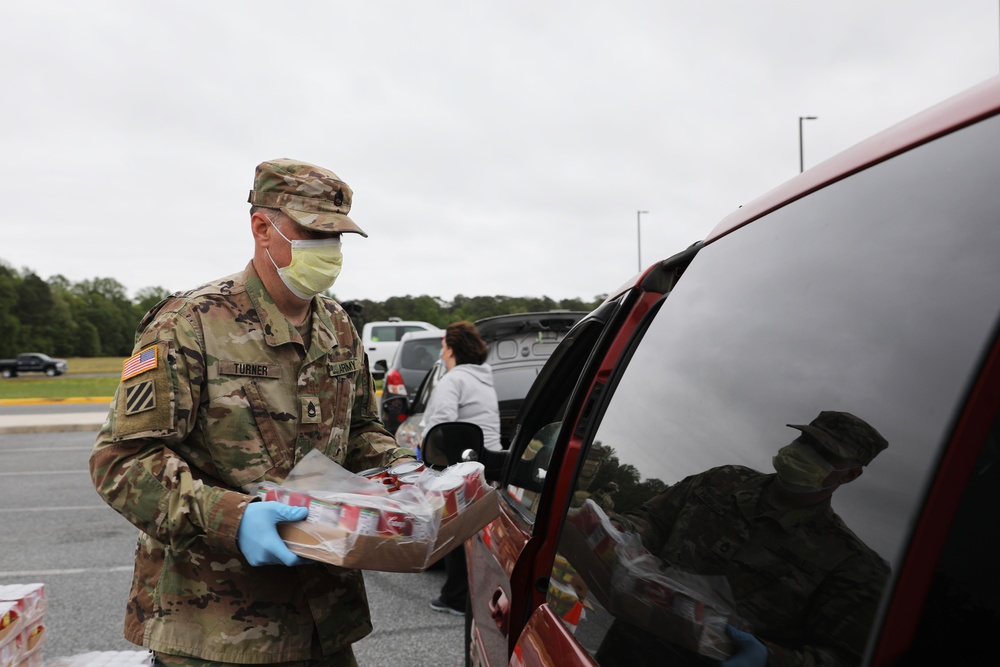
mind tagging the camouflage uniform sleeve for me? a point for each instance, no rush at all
(654, 520)
(135, 466)
(370, 445)
(840, 616)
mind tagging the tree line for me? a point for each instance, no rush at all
(96, 317)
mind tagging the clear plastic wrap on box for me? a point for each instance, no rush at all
(692, 610)
(380, 521)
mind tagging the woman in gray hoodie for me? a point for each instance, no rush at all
(464, 394)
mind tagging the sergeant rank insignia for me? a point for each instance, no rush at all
(139, 398)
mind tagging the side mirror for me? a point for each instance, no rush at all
(452, 442)
(379, 369)
(395, 409)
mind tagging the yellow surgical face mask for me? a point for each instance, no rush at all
(314, 268)
(801, 469)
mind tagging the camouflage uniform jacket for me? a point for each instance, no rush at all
(230, 399)
(809, 586)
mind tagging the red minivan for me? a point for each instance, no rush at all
(868, 286)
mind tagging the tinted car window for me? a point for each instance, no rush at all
(392, 332)
(421, 354)
(874, 296)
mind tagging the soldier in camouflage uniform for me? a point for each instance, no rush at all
(807, 584)
(231, 384)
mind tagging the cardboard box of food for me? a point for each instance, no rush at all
(30, 599)
(30, 640)
(388, 553)
(10, 626)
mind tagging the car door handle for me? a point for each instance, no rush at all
(500, 610)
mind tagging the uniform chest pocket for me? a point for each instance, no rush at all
(244, 441)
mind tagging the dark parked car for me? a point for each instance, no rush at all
(518, 346)
(640, 507)
(32, 362)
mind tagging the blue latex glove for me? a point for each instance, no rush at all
(749, 651)
(258, 537)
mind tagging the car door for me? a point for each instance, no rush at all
(506, 578)
(875, 296)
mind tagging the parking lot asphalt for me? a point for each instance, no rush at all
(46, 476)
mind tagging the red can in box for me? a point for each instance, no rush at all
(406, 468)
(395, 522)
(374, 473)
(687, 607)
(358, 519)
(297, 499)
(407, 480)
(450, 490)
(472, 473)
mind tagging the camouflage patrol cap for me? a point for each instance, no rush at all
(845, 435)
(312, 196)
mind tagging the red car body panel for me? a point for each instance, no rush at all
(906, 603)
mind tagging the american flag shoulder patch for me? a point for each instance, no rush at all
(140, 397)
(140, 362)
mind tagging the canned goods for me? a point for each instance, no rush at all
(268, 491)
(297, 499)
(374, 473)
(448, 492)
(395, 522)
(687, 607)
(472, 473)
(323, 512)
(421, 527)
(358, 519)
(407, 480)
(406, 468)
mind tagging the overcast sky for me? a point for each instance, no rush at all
(493, 147)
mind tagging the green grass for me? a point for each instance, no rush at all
(65, 386)
(35, 385)
(86, 365)
(68, 386)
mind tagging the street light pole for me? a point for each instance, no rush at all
(638, 235)
(801, 162)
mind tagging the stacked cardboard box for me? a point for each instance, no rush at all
(22, 624)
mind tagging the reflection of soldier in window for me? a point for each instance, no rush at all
(808, 586)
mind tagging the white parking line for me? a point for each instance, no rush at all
(19, 510)
(32, 450)
(82, 471)
(49, 573)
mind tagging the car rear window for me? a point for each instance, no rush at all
(420, 354)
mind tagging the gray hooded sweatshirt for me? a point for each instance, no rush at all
(466, 394)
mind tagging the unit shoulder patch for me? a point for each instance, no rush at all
(144, 400)
(140, 397)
